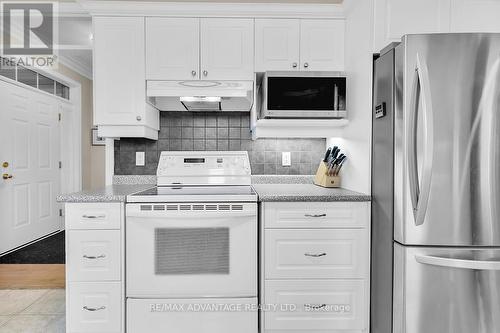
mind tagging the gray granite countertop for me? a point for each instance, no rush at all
(305, 192)
(268, 188)
(112, 193)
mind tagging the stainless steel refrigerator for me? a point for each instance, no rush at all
(436, 185)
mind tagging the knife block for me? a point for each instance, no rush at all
(323, 179)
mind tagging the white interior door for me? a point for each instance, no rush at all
(29, 130)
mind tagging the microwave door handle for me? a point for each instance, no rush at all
(419, 193)
(458, 263)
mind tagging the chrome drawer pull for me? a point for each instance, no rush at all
(315, 255)
(94, 309)
(315, 215)
(314, 306)
(93, 216)
(95, 257)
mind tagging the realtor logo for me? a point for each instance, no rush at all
(29, 31)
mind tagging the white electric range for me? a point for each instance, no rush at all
(191, 247)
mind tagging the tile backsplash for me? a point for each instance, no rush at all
(218, 131)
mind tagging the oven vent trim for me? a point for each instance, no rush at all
(193, 207)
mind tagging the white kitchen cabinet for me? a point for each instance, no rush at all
(295, 44)
(324, 306)
(172, 48)
(227, 49)
(95, 289)
(395, 18)
(322, 45)
(315, 256)
(194, 48)
(95, 307)
(120, 107)
(475, 15)
(277, 44)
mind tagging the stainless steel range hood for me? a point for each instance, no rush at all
(201, 95)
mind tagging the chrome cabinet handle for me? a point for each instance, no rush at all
(193, 73)
(314, 306)
(138, 118)
(315, 255)
(93, 216)
(294, 65)
(95, 257)
(306, 65)
(314, 215)
(205, 73)
(94, 309)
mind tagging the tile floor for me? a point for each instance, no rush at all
(32, 311)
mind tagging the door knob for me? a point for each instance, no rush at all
(205, 73)
(138, 118)
(294, 65)
(193, 73)
(7, 176)
(306, 65)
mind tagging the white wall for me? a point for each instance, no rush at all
(356, 137)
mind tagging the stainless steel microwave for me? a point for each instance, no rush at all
(303, 95)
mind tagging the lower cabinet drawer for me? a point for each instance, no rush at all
(330, 305)
(316, 254)
(94, 255)
(100, 215)
(94, 307)
(207, 315)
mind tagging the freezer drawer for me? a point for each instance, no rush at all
(440, 290)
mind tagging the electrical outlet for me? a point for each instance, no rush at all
(286, 158)
(140, 159)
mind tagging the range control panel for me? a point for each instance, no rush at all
(203, 164)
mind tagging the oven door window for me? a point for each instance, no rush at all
(303, 93)
(191, 251)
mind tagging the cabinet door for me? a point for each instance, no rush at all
(395, 18)
(322, 45)
(227, 49)
(475, 16)
(119, 85)
(276, 44)
(172, 48)
(95, 307)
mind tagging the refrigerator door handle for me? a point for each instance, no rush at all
(458, 263)
(419, 193)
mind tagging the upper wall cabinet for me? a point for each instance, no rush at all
(193, 48)
(322, 45)
(395, 18)
(227, 49)
(277, 44)
(475, 15)
(172, 48)
(294, 44)
(120, 108)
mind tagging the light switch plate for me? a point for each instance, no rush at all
(286, 158)
(140, 159)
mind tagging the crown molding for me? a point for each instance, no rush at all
(212, 9)
(75, 65)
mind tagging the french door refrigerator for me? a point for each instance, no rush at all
(436, 185)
